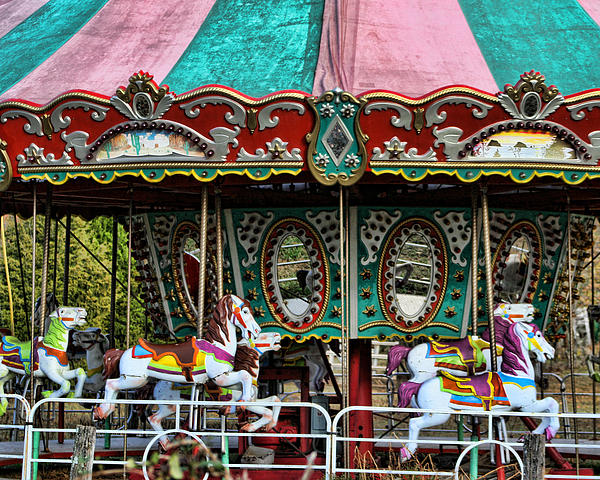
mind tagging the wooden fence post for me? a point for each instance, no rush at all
(83, 453)
(534, 456)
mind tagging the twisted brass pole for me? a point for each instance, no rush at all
(202, 271)
(219, 234)
(488, 278)
(33, 268)
(474, 260)
(46, 254)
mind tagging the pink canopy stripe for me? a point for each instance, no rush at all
(150, 35)
(402, 46)
(12, 13)
(592, 7)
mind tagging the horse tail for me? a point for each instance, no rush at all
(111, 363)
(405, 393)
(395, 356)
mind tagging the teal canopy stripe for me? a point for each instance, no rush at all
(36, 38)
(556, 37)
(253, 46)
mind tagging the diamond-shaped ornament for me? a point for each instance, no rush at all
(337, 140)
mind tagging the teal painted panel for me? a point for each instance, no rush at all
(394, 302)
(253, 46)
(31, 42)
(272, 247)
(556, 38)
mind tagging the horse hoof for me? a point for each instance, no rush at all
(405, 454)
(97, 413)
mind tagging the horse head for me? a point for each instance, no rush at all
(243, 318)
(267, 341)
(514, 312)
(90, 337)
(537, 343)
(71, 317)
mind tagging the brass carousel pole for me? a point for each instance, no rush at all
(488, 278)
(219, 233)
(46, 254)
(219, 267)
(571, 330)
(344, 320)
(485, 218)
(202, 255)
(33, 279)
(474, 260)
(36, 435)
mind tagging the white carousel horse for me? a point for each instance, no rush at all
(92, 344)
(50, 354)
(467, 356)
(513, 388)
(193, 361)
(246, 358)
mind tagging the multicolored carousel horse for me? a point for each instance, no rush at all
(467, 356)
(246, 358)
(513, 388)
(193, 361)
(49, 354)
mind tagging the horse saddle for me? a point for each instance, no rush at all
(17, 354)
(481, 391)
(468, 350)
(184, 354)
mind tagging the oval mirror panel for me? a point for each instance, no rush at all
(412, 277)
(295, 275)
(517, 264)
(412, 274)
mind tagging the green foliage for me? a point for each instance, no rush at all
(186, 459)
(89, 283)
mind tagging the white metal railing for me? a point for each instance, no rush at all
(513, 447)
(19, 410)
(333, 440)
(221, 434)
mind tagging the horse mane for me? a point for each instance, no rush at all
(246, 358)
(501, 326)
(512, 359)
(512, 355)
(218, 323)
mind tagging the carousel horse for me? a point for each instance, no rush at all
(49, 352)
(193, 361)
(90, 344)
(308, 353)
(246, 358)
(467, 356)
(512, 388)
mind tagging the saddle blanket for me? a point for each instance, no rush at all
(484, 391)
(464, 355)
(17, 354)
(169, 359)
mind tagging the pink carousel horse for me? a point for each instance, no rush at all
(513, 388)
(194, 361)
(467, 356)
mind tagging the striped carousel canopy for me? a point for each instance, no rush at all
(412, 47)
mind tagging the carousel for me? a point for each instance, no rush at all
(283, 241)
